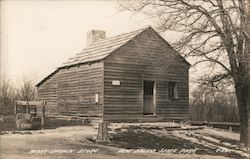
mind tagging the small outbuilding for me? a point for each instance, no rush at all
(131, 77)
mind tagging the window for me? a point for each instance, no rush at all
(172, 90)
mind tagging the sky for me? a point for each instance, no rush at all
(38, 36)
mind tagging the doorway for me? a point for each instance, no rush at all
(148, 97)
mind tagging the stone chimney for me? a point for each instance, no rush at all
(94, 35)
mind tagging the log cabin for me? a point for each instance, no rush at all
(132, 77)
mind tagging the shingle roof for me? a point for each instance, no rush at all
(98, 50)
(101, 48)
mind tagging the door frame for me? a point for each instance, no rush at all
(154, 96)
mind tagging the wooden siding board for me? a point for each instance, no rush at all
(48, 92)
(77, 89)
(73, 90)
(137, 61)
(146, 56)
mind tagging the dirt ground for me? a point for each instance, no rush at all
(140, 141)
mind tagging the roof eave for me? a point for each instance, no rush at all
(62, 67)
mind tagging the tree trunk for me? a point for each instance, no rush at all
(248, 58)
(242, 94)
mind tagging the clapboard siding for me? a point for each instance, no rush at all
(146, 57)
(71, 91)
(48, 93)
(77, 87)
(129, 58)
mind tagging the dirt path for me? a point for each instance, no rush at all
(142, 143)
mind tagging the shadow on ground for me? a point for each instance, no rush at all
(135, 137)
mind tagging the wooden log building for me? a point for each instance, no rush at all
(131, 77)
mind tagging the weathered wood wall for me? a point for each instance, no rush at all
(73, 91)
(77, 87)
(48, 92)
(147, 57)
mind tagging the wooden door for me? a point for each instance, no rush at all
(148, 97)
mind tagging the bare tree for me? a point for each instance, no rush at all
(209, 104)
(26, 91)
(7, 97)
(213, 32)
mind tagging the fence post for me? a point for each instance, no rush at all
(43, 116)
(102, 135)
(15, 117)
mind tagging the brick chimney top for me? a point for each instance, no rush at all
(94, 35)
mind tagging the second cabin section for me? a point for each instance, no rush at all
(135, 76)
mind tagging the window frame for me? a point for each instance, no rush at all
(172, 89)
